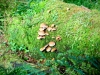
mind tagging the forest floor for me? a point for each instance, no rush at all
(76, 24)
(6, 57)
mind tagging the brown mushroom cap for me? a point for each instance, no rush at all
(53, 49)
(41, 29)
(42, 49)
(43, 25)
(52, 43)
(48, 49)
(46, 46)
(41, 33)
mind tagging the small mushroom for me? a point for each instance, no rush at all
(46, 46)
(52, 43)
(49, 28)
(40, 37)
(53, 25)
(58, 38)
(43, 25)
(41, 29)
(53, 49)
(41, 33)
(53, 29)
(42, 49)
(48, 49)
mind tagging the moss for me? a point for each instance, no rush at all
(7, 59)
(77, 26)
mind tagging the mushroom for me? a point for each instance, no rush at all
(58, 38)
(46, 46)
(52, 44)
(43, 37)
(49, 28)
(53, 29)
(42, 33)
(48, 49)
(41, 29)
(53, 25)
(40, 37)
(43, 25)
(53, 49)
(42, 49)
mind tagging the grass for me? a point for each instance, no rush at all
(91, 4)
(77, 26)
(71, 24)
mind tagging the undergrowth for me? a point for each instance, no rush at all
(77, 53)
(67, 64)
(91, 4)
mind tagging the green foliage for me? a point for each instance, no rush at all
(73, 65)
(30, 7)
(80, 34)
(25, 69)
(5, 5)
(78, 64)
(91, 4)
(1, 17)
(78, 28)
(27, 11)
(3, 71)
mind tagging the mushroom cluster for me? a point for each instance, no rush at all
(51, 28)
(49, 47)
(43, 30)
